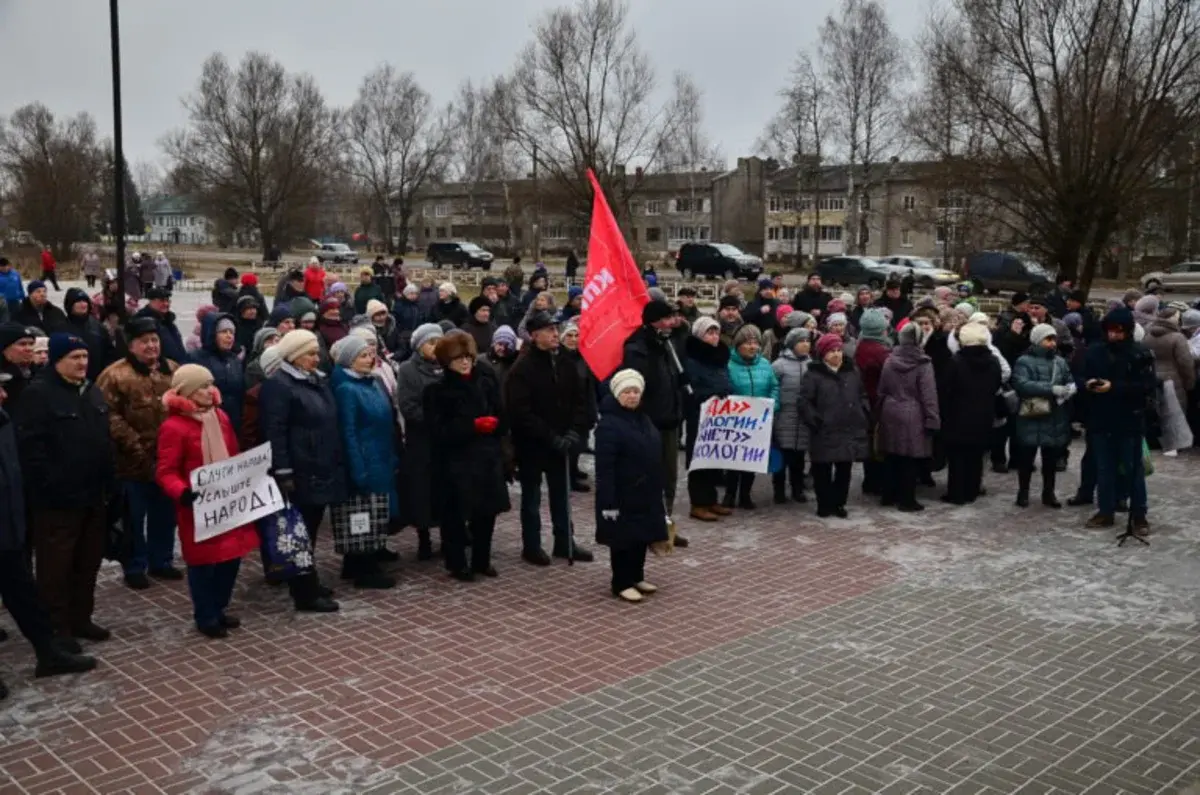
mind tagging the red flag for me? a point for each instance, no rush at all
(613, 291)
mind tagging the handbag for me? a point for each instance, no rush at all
(1034, 407)
(285, 543)
(360, 524)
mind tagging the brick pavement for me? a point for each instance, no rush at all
(972, 650)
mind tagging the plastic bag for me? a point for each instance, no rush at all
(1175, 433)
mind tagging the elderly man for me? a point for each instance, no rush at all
(16, 359)
(133, 389)
(158, 308)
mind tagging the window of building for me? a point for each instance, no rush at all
(910, 202)
(426, 210)
(788, 232)
(633, 234)
(441, 231)
(951, 201)
(832, 203)
(554, 232)
(806, 232)
(653, 233)
(789, 203)
(773, 204)
(864, 202)
(957, 233)
(686, 205)
(906, 237)
(441, 210)
(653, 207)
(831, 234)
(772, 233)
(688, 233)
(805, 203)
(426, 231)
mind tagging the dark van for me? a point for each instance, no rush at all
(993, 271)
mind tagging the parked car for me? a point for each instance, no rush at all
(459, 254)
(852, 271)
(336, 253)
(716, 259)
(1184, 276)
(925, 273)
(993, 271)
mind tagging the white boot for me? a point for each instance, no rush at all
(631, 595)
(646, 587)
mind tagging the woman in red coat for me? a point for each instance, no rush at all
(196, 432)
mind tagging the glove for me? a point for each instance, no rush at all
(611, 516)
(286, 485)
(1060, 391)
(187, 498)
(486, 425)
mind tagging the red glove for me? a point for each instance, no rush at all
(486, 424)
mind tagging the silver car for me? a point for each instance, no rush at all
(1184, 276)
(925, 273)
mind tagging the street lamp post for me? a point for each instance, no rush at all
(118, 145)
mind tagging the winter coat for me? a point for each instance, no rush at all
(368, 433)
(480, 332)
(662, 398)
(833, 408)
(973, 378)
(243, 334)
(179, 452)
(365, 293)
(544, 400)
(66, 450)
(1129, 367)
(21, 379)
(707, 369)
(1033, 376)
(587, 381)
(629, 478)
(250, 432)
(414, 376)
(468, 467)
(807, 300)
(131, 278)
(229, 376)
(908, 404)
(869, 358)
(134, 394)
(259, 300)
(224, 295)
(146, 271)
(91, 264)
(753, 378)
(788, 431)
(162, 272)
(49, 318)
(497, 367)
(1172, 358)
(298, 417)
(101, 351)
(452, 310)
(48, 263)
(900, 307)
(12, 489)
(507, 311)
(408, 315)
(314, 282)
(427, 299)
(11, 289)
(168, 334)
(331, 331)
(761, 312)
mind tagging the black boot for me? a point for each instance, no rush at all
(3, 690)
(53, 660)
(1079, 499)
(1049, 475)
(364, 570)
(424, 545)
(777, 482)
(730, 498)
(1023, 478)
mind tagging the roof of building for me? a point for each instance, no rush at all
(663, 181)
(837, 176)
(169, 205)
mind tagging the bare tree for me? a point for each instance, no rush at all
(1081, 103)
(687, 150)
(482, 153)
(255, 147)
(396, 142)
(148, 177)
(54, 170)
(582, 96)
(862, 62)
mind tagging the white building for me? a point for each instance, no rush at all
(174, 219)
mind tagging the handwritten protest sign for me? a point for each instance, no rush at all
(734, 433)
(234, 492)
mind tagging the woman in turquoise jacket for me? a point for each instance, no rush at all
(751, 376)
(367, 425)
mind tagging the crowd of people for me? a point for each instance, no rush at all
(400, 394)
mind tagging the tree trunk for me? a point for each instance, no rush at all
(405, 217)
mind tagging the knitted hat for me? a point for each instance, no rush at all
(296, 343)
(12, 333)
(872, 324)
(331, 305)
(657, 294)
(1041, 332)
(190, 378)
(966, 308)
(41, 341)
(836, 317)
(569, 327)
(835, 306)
(337, 287)
(1191, 319)
(446, 325)
(375, 306)
(453, 346)
(796, 336)
(263, 336)
(270, 361)
(827, 344)
(449, 287)
(972, 335)
(505, 336)
(224, 324)
(909, 335)
(1073, 320)
(1018, 299)
(245, 302)
(746, 333)
(426, 332)
(249, 280)
(702, 325)
(1147, 304)
(797, 319)
(231, 273)
(347, 349)
(63, 343)
(626, 379)
(35, 284)
(477, 303)
(764, 283)
(654, 311)
(979, 317)
(279, 313)
(782, 312)
(730, 300)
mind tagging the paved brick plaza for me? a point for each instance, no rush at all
(967, 650)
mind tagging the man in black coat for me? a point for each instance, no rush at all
(16, 359)
(894, 300)
(761, 311)
(17, 588)
(66, 450)
(544, 398)
(81, 322)
(813, 299)
(36, 310)
(1056, 299)
(158, 307)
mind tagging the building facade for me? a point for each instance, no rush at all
(175, 220)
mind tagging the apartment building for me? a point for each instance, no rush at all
(175, 220)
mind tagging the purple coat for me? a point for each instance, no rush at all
(907, 404)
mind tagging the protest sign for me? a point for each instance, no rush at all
(734, 433)
(234, 492)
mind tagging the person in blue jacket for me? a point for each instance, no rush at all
(367, 425)
(218, 355)
(11, 290)
(750, 375)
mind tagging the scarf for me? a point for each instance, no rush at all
(212, 440)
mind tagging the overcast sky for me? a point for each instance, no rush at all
(57, 51)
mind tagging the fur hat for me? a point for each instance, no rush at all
(1040, 333)
(626, 379)
(134, 328)
(702, 325)
(654, 311)
(375, 306)
(453, 345)
(972, 335)
(796, 336)
(827, 344)
(746, 333)
(477, 303)
(189, 379)
(296, 343)
(426, 332)
(346, 350)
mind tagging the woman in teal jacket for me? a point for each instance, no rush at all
(751, 376)
(367, 425)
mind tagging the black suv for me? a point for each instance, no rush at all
(716, 259)
(852, 271)
(993, 271)
(459, 255)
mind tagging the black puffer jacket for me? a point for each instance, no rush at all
(662, 400)
(468, 467)
(12, 489)
(66, 450)
(588, 383)
(101, 350)
(544, 400)
(972, 379)
(629, 478)
(298, 416)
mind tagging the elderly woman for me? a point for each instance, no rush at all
(196, 433)
(707, 367)
(790, 434)
(543, 302)
(833, 406)
(412, 378)
(1044, 383)
(908, 417)
(629, 486)
(265, 337)
(750, 376)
